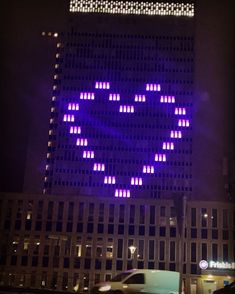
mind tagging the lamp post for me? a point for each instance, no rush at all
(132, 250)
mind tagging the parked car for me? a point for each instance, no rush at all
(141, 281)
(228, 289)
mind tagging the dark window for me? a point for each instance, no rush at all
(193, 252)
(17, 224)
(172, 232)
(131, 230)
(204, 233)
(66, 262)
(204, 251)
(7, 225)
(28, 225)
(132, 214)
(69, 227)
(140, 264)
(108, 265)
(59, 226)
(56, 261)
(24, 260)
(161, 265)
(87, 263)
(152, 215)
(45, 261)
(141, 230)
(48, 226)
(119, 248)
(172, 266)
(80, 227)
(13, 260)
(97, 264)
(214, 251)
(162, 231)
(38, 226)
(152, 231)
(120, 229)
(100, 229)
(150, 265)
(76, 262)
(110, 228)
(193, 217)
(90, 228)
(193, 233)
(193, 269)
(214, 234)
(119, 265)
(35, 261)
(135, 279)
(225, 235)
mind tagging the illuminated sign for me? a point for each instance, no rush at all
(203, 264)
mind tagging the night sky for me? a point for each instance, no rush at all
(27, 79)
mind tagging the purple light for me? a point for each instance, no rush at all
(148, 169)
(140, 98)
(136, 181)
(183, 123)
(75, 130)
(102, 85)
(167, 99)
(122, 193)
(81, 142)
(109, 180)
(98, 167)
(180, 111)
(114, 97)
(168, 146)
(88, 154)
(153, 87)
(160, 157)
(73, 106)
(68, 117)
(176, 134)
(126, 108)
(87, 96)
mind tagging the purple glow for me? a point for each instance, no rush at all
(81, 142)
(98, 167)
(73, 106)
(180, 111)
(160, 157)
(148, 169)
(122, 193)
(87, 96)
(136, 181)
(176, 134)
(183, 123)
(140, 98)
(88, 154)
(168, 146)
(109, 180)
(75, 130)
(68, 117)
(102, 85)
(126, 108)
(114, 97)
(153, 87)
(167, 99)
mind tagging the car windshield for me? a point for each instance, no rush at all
(120, 277)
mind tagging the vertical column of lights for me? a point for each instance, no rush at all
(132, 7)
(49, 160)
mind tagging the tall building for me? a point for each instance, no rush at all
(121, 113)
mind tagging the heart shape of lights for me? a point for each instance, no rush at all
(74, 115)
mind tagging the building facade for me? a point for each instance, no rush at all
(71, 243)
(121, 110)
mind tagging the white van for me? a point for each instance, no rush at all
(141, 281)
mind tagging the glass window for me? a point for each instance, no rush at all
(214, 251)
(225, 218)
(70, 211)
(132, 214)
(193, 217)
(162, 211)
(111, 213)
(60, 211)
(101, 212)
(225, 252)
(135, 279)
(162, 250)
(80, 211)
(142, 214)
(91, 212)
(193, 252)
(172, 251)
(121, 213)
(119, 248)
(140, 249)
(151, 249)
(50, 210)
(152, 215)
(214, 218)
(204, 251)
(204, 217)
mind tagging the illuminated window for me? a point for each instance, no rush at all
(102, 85)
(75, 130)
(153, 87)
(176, 134)
(140, 98)
(114, 97)
(180, 111)
(87, 96)
(123, 193)
(183, 123)
(109, 180)
(167, 99)
(136, 181)
(148, 169)
(168, 146)
(68, 117)
(73, 106)
(98, 167)
(88, 154)
(81, 142)
(126, 108)
(160, 157)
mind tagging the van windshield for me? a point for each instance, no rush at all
(120, 277)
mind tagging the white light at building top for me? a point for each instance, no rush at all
(132, 7)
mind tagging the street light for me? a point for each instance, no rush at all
(132, 250)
